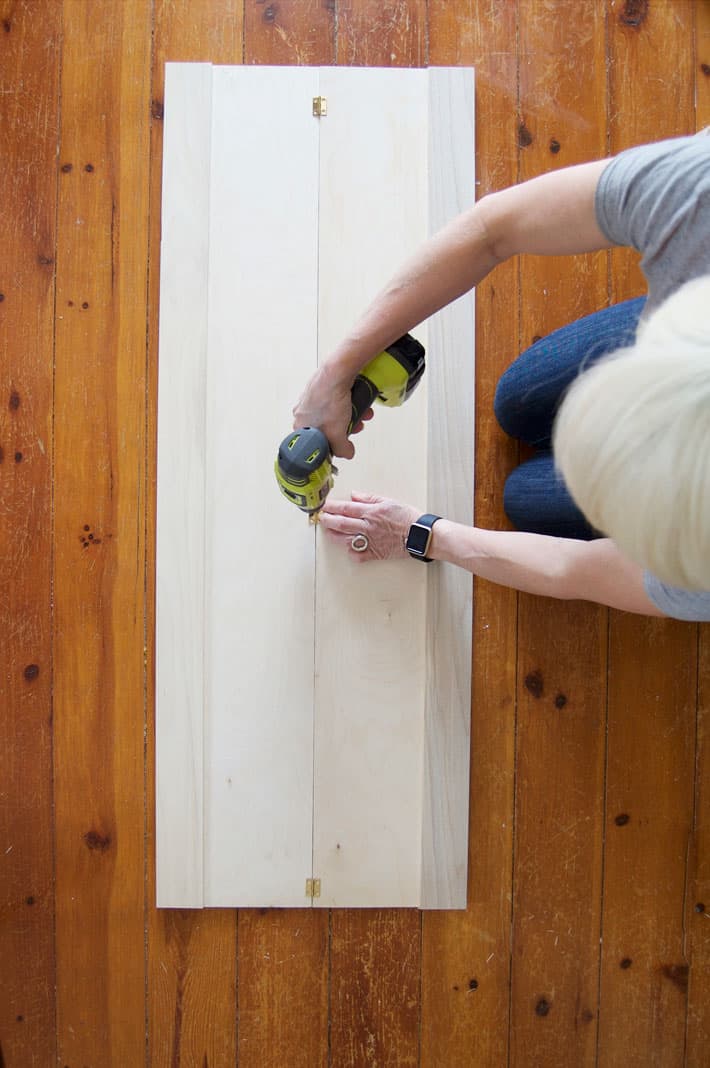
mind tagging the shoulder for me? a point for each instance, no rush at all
(650, 170)
(656, 199)
(690, 605)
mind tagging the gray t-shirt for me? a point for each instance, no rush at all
(656, 199)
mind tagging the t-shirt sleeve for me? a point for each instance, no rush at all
(677, 603)
(656, 199)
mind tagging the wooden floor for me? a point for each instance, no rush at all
(587, 935)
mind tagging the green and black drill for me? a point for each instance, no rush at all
(304, 464)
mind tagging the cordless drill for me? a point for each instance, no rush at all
(304, 464)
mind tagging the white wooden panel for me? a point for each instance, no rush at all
(450, 493)
(181, 489)
(260, 550)
(390, 645)
(370, 620)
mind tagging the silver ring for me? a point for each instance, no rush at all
(360, 543)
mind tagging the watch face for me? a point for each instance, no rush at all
(418, 539)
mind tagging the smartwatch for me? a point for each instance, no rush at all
(419, 537)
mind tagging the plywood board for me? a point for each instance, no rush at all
(371, 621)
(260, 553)
(449, 492)
(330, 710)
(181, 487)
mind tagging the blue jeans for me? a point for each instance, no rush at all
(526, 402)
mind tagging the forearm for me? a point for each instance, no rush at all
(532, 563)
(548, 215)
(448, 265)
(550, 567)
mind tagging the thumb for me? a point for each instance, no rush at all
(341, 445)
(343, 449)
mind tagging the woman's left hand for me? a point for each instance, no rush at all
(384, 523)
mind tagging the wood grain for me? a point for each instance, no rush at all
(650, 779)
(702, 65)
(370, 638)
(193, 996)
(466, 956)
(376, 715)
(696, 946)
(99, 682)
(29, 70)
(450, 463)
(643, 989)
(283, 990)
(375, 997)
(180, 681)
(260, 573)
(372, 34)
(290, 32)
(561, 646)
(192, 963)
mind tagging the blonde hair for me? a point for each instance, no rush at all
(632, 441)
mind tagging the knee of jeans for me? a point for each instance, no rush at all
(506, 403)
(513, 503)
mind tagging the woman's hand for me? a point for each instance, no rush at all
(326, 403)
(384, 523)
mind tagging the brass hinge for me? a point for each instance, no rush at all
(320, 106)
(312, 887)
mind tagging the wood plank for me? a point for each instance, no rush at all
(207, 471)
(260, 574)
(465, 956)
(649, 818)
(293, 1002)
(372, 34)
(29, 70)
(651, 682)
(450, 435)
(702, 66)
(369, 1012)
(99, 679)
(697, 898)
(300, 33)
(193, 1003)
(191, 956)
(180, 560)
(374, 995)
(370, 629)
(284, 998)
(562, 646)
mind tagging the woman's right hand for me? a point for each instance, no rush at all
(326, 403)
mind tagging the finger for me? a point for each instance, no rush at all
(358, 497)
(340, 524)
(364, 418)
(349, 508)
